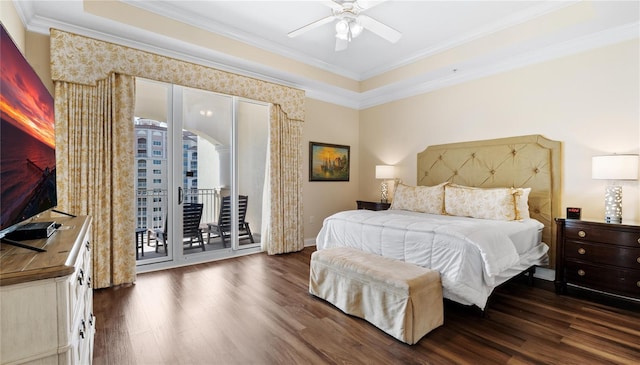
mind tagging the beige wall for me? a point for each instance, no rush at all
(328, 123)
(39, 56)
(12, 23)
(589, 101)
(34, 47)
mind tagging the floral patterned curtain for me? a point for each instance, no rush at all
(94, 135)
(285, 233)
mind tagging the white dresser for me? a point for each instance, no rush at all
(46, 299)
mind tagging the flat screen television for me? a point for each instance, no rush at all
(27, 141)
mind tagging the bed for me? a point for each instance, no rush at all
(474, 250)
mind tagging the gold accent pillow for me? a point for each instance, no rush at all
(489, 203)
(522, 203)
(424, 199)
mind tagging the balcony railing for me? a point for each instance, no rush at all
(157, 199)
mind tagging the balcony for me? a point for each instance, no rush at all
(156, 214)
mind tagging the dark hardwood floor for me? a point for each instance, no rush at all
(256, 310)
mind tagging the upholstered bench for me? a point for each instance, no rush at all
(402, 299)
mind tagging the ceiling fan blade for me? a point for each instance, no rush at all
(310, 26)
(341, 44)
(380, 29)
(368, 4)
(333, 5)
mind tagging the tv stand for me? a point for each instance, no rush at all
(22, 245)
(46, 299)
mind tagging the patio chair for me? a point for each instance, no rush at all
(222, 228)
(191, 232)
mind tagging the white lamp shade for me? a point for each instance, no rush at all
(615, 167)
(385, 172)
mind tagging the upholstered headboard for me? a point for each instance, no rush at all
(527, 161)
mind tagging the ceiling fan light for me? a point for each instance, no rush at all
(342, 27)
(356, 29)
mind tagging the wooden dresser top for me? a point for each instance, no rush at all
(19, 265)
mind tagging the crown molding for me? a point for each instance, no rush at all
(151, 42)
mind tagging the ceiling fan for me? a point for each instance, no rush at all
(351, 22)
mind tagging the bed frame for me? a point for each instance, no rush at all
(531, 161)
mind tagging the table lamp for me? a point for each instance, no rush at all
(614, 168)
(384, 172)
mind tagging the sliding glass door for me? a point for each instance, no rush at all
(210, 180)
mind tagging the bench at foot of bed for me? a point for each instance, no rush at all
(402, 299)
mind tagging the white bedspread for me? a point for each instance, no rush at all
(473, 256)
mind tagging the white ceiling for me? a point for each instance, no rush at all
(428, 28)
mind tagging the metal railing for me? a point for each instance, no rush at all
(155, 201)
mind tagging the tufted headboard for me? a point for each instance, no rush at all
(528, 161)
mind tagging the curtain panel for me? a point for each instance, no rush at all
(76, 59)
(286, 230)
(94, 139)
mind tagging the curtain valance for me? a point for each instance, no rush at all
(82, 60)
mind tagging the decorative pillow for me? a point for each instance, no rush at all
(522, 203)
(490, 203)
(424, 199)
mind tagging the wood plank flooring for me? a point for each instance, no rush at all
(256, 310)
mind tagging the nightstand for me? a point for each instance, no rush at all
(372, 205)
(597, 255)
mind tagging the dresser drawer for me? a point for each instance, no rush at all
(603, 254)
(614, 280)
(615, 235)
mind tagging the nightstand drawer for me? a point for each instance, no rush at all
(372, 205)
(618, 281)
(603, 254)
(615, 235)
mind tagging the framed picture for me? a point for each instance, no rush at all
(328, 162)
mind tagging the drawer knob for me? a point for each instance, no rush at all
(82, 329)
(581, 272)
(638, 259)
(80, 277)
(638, 283)
(582, 251)
(639, 241)
(582, 234)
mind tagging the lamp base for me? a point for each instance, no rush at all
(613, 204)
(613, 220)
(384, 192)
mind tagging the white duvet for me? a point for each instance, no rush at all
(473, 256)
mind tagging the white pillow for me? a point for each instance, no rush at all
(485, 203)
(424, 199)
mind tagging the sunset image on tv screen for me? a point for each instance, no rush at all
(27, 149)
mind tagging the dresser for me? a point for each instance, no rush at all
(361, 204)
(46, 299)
(597, 255)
